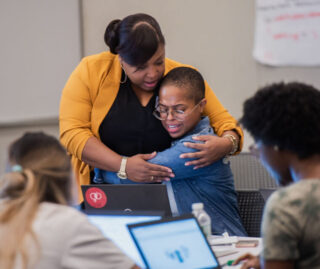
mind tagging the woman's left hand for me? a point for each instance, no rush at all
(213, 149)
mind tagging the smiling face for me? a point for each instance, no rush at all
(147, 76)
(175, 98)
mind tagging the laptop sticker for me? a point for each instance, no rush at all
(96, 197)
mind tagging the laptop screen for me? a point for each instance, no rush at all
(114, 227)
(175, 243)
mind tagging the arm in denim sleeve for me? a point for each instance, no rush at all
(170, 158)
(104, 176)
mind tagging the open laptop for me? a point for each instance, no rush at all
(126, 197)
(114, 227)
(173, 243)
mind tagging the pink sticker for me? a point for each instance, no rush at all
(96, 197)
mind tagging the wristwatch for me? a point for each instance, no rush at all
(122, 172)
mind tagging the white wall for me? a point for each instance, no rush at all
(40, 46)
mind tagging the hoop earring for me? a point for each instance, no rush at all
(125, 76)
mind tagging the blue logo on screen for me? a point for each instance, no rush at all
(181, 254)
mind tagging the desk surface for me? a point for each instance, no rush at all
(240, 251)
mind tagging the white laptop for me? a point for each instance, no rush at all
(173, 243)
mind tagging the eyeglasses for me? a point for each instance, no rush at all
(162, 112)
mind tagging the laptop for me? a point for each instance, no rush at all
(176, 242)
(126, 198)
(114, 227)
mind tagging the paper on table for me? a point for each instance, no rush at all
(221, 240)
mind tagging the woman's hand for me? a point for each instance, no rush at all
(213, 149)
(139, 170)
(249, 261)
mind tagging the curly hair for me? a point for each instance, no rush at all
(286, 115)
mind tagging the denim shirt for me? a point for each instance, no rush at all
(212, 185)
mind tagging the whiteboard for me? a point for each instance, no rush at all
(40, 46)
(287, 33)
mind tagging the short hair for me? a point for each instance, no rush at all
(286, 115)
(136, 38)
(186, 78)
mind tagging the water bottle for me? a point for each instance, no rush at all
(202, 217)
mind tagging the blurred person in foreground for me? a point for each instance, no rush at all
(38, 228)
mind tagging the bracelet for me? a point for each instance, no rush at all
(234, 142)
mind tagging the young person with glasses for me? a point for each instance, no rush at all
(179, 107)
(106, 108)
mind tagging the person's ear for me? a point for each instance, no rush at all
(202, 104)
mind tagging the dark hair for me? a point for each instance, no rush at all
(186, 78)
(286, 115)
(47, 160)
(136, 38)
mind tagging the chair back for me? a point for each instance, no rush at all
(251, 205)
(249, 173)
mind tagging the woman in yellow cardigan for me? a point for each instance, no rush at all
(107, 104)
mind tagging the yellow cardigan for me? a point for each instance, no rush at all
(90, 93)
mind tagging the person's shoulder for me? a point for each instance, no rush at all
(302, 189)
(295, 195)
(170, 64)
(59, 214)
(100, 61)
(280, 196)
(202, 128)
(102, 56)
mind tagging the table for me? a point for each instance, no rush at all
(240, 251)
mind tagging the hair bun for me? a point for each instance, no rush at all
(111, 35)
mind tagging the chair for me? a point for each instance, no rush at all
(249, 173)
(253, 185)
(251, 205)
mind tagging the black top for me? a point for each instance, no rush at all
(129, 128)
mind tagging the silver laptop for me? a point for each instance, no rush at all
(173, 243)
(114, 227)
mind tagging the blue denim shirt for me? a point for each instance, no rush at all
(211, 185)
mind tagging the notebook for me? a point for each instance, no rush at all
(126, 198)
(114, 227)
(173, 243)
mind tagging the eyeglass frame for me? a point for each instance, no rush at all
(173, 112)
